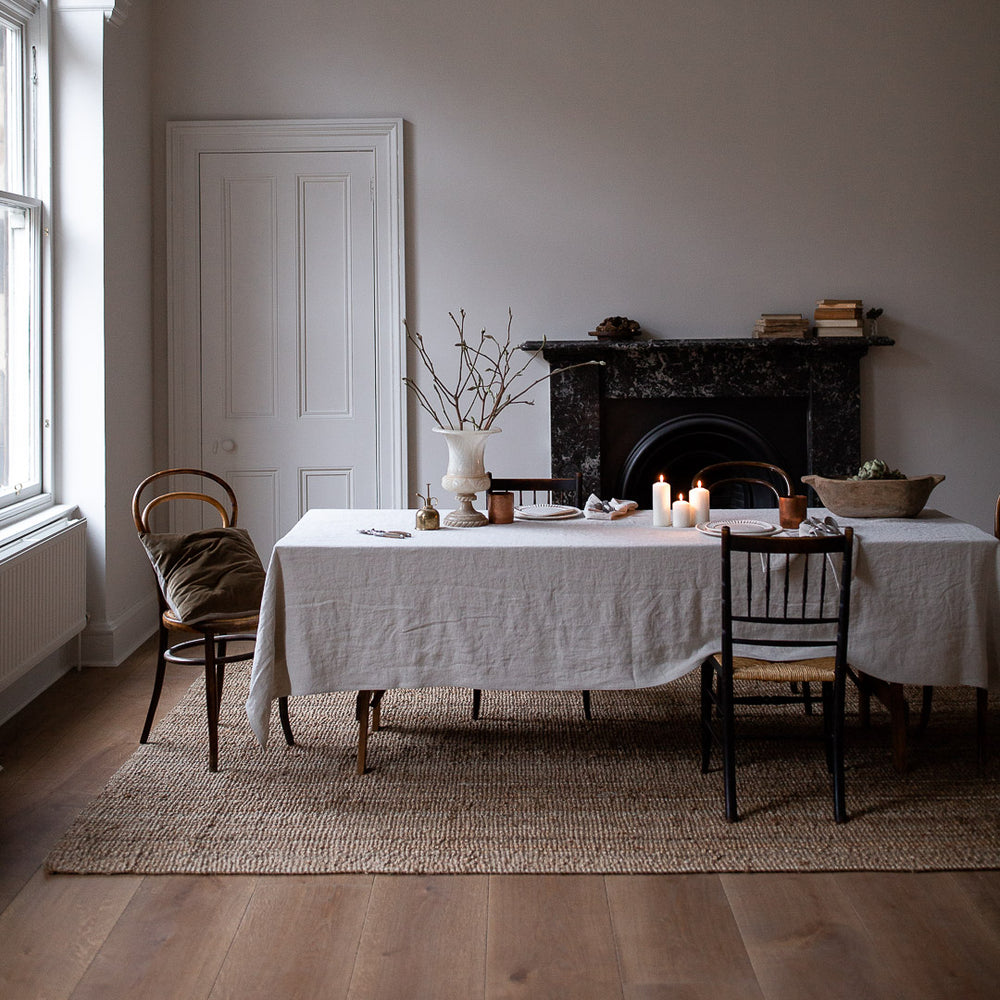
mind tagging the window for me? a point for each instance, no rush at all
(21, 345)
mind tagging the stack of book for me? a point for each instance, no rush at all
(781, 325)
(838, 318)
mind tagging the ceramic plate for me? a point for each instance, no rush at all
(740, 526)
(546, 512)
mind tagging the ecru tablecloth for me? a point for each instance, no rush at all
(584, 604)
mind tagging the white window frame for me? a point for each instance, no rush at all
(34, 192)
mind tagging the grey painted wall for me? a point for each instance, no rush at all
(690, 165)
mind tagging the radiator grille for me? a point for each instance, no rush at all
(43, 595)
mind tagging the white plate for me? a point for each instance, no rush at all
(740, 526)
(546, 512)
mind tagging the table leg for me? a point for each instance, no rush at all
(982, 714)
(361, 712)
(891, 695)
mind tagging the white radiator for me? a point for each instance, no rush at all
(43, 595)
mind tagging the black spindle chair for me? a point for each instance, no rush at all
(779, 592)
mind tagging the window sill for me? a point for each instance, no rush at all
(36, 517)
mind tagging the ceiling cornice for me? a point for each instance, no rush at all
(114, 11)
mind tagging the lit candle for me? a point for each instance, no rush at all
(661, 504)
(699, 501)
(683, 515)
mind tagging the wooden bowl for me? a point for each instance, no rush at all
(874, 497)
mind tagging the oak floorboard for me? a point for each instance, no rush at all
(170, 941)
(45, 785)
(299, 938)
(52, 930)
(677, 939)
(424, 937)
(550, 936)
(933, 939)
(805, 939)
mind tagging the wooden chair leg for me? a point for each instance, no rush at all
(586, 705)
(807, 698)
(707, 679)
(286, 726)
(864, 701)
(828, 724)
(212, 703)
(361, 713)
(161, 669)
(839, 802)
(377, 710)
(982, 715)
(898, 713)
(728, 743)
(926, 702)
(477, 696)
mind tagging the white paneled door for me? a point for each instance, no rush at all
(293, 390)
(288, 332)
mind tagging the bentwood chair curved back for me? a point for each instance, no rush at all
(780, 593)
(568, 489)
(744, 485)
(209, 584)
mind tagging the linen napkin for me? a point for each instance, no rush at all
(814, 526)
(607, 510)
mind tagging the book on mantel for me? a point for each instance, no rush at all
(781, 325)
(838, 318)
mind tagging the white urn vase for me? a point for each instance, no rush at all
(466, 474)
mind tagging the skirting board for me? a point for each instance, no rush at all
(107, 643)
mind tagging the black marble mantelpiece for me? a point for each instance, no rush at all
(819, 378)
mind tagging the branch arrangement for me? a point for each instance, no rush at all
(482, 389)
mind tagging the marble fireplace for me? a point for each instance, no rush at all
(673, 406)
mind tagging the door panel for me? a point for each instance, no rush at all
(288, 329)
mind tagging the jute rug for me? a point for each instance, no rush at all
(533, 787)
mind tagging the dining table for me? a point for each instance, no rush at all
(592, 604)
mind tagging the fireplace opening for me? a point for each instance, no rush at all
(677, 446)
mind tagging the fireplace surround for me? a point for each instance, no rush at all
(671, 406)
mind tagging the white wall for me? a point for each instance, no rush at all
(102, 271)
(689, 165)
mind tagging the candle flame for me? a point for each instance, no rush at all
(661, 479)
(699, 484)
(680, 496)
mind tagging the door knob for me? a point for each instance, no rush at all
(228, 445)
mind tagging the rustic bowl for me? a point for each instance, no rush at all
(874, 497)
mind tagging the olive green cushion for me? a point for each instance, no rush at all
(208, 574)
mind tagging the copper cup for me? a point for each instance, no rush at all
(500, 508)
(792, 511)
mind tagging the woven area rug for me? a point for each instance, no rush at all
(533, 787)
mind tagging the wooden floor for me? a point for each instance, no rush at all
(860, 936)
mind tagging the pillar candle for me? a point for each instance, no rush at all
(683, 513)
(699, 498)
(661, 504)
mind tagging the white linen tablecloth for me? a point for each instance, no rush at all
(582, 604)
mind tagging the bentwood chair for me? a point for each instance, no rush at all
(779, 592)
(982, 694)
(538, 490)
(744, 485)
(210, 585)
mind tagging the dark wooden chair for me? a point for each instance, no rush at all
(744, 485)
(779, 592)
(556, 489)
(210, 648)
(982, 694)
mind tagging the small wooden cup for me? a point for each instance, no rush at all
(792, 511)
(500, 508)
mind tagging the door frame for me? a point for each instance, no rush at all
(186, 142)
